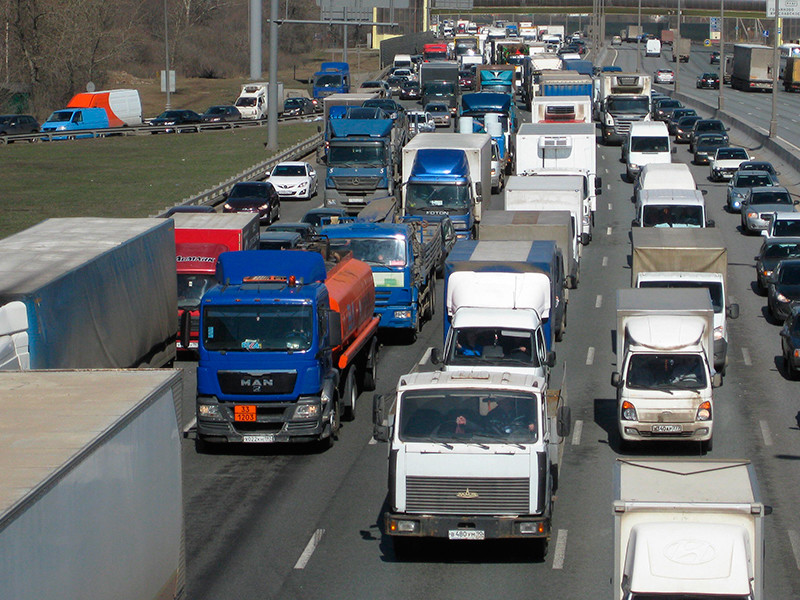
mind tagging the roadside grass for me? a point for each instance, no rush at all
(126, 176)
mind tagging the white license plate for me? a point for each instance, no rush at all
(666, 428)
(264, 438)
(466, 534)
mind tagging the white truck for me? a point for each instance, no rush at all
(652, 48)
(623, 98)
(91, 500)
(253, 100)
(665, 346)
(688, 528)
(474, 456)
(522, 225)
(552, 191)
(561, 109)
(687, 258)
(671, 209)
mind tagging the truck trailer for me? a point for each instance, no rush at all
(752, 67)
(88, 293)
(123, 107)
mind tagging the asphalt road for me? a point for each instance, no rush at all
(272, 522)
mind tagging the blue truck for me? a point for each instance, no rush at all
(565, 83)
(495, 78)
(541, 256)
(584, 67)
(332, 78)
(479, 105)
(404, 258)
(448, 174)
(286, 343)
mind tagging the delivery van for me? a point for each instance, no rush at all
(123, 107)
(648, 142)
(75, 119)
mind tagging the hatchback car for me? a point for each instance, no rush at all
(783, 289)
(298, 106)
(706, 126)
(18, 124)
(664, 76)
(254, 197)
(221, 114)
(742, 182)
(726, 161)
(708, 81)
(410, 90)
(440, 112)
(714, 58)
(662, 108)
(790, 343)
(706, 145)
(294, 179)
(760, 204)
(172, 120)
(677, 115)
(684, 128)
(772, 251)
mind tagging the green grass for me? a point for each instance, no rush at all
(133, 176)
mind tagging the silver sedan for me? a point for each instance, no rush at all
(760, 205)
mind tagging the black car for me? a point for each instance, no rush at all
(298, 106)
(709, 81)
(783, 289)
(319, 217)
(18, 124)
(790, 343)
(706, 126)
(392, 108)
(773, 250)
(661, 108)
(714, 60)
(254, 197)
(173, 119)
(705, 146)
(684, 128)
(759, 165)
(306, 230)
(676, 115)
(396, 84)
(221, 114)
(410, 91)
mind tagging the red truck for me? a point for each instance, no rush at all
(434, 52)
(199, 240)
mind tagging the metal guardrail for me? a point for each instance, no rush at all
(213, 196)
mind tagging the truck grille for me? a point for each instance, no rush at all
(624, 126)
(356, 183)
(382, 298)
(467, 496)
(256, 383)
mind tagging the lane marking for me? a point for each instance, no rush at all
(605, 261)
(794, 540)
(190, 425)
(746, 357)
(610, 206)
(765, 433)
(561, 549)
(576, 433)
(310, 547)
(598, 301)
(425, 356)
(608, 231)
(606, 169)
(590, 355)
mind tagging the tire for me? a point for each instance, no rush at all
(430, 310)
(404, 547)
(327, 443)
(369, 374)
(349, 396)
(413, 332)
(706, 446)
(203, 447)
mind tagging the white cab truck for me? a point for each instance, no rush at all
(472, 456)
(665, 346)
(552, 192)
(623, 99)
(688, 529)
(524, 225)
(671, 209)
(91, 501)
(253, 101)
(687, 258)
(496, 323)
(561, 109)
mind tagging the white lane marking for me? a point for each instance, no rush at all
(310, 547)
(794, 540)
(190, 425)
(608, 231)
(425, 356)
(610, 206)
(606, 169)
(561, 549)
(576, 433)
(372, 441)
(598, 301)
(608, 186)
(746, 357)
(590, 355)
(605, 261)
(604, 157)
(765, 433)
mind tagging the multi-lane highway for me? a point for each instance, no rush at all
(281, 522)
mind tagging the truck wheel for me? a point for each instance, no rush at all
(404, 547)
(706, 446)
(336, 422)
(370, 370)
(203, 447)
(430, 309)
(349, 396)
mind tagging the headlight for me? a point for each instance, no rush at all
(766, 273)
(227, 206)
(306, 411)
(751, 214)
(628, 411)
(208, 410)
(718, 333)
(263, 207)
(781, 298)
(704, 412)
(302, 184)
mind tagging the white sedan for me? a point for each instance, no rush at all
(294, 179)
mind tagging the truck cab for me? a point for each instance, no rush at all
(332, 78)
(624, 100)
(671, 208)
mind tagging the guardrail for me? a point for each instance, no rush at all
(213, 196)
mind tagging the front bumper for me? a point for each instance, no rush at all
(635, 431)
(466, 527)
(352, 202)
(397, 317)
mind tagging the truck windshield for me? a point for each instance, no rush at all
(388, 252)
(439, 88)
(635, 106)
(649, 143)
(492, 346)
(656, 215)
(258, 328)
(666, 371)
(60, 116)
(247, 101)
(468, 416)
(191, 288)
(328, 80)
(714, 289)
(426, 197)
(351, 155)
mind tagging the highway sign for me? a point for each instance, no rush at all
(786, 9)
(706, 43)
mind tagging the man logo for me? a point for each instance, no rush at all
(466, 494)
(256, 384)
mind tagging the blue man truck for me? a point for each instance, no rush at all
(494, 113)
(332, 78)
(286, 342)
(404, 258)
(495, 78)
(448, 174)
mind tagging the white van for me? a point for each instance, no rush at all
(671, 208)
(403, 61)
(652, 48)
(648, 142)
(665, 176)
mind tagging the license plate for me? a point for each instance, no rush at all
(264, 438)
(244, 412)
(666, 428)
(466, 534)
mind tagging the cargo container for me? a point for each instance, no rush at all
(123, 107)
(752, 67)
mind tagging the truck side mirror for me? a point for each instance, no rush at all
(634, 222)
(704, 192)
(716, 380)
(436, 357)
(186, 328)
(569, 282)
(615, 379)
(380, 426)
(711, 223)
(563, 421)
(550, 359)
(674, 150)
(733, 311)
(598, 184)
(764, 233)
(478, 191)
(334, 328)
(585, 239)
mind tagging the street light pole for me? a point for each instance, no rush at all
(166, 57)
(776, 33)
(721, 101)
(674, 41)
(638, 41)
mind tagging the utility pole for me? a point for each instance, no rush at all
(272, 91)
(721, 101)
(674, 41)
(776, 33)
(255, 40)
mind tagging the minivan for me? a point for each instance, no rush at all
(648, 142)
(75, 119)
(664, 176)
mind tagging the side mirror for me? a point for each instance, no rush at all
(550, 360)
(186, 328)
(598, 182)
(764, 233)
(563, 421)
(704, 192)
(598, 191)
(380, 426)
(716, 380)
(436, 357)
(585, 238)
(634, 222)
(711, 223)
(319, 128)
(615, 379)
(570, 283)
(733, 311)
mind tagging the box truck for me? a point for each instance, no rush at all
(123, 107)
